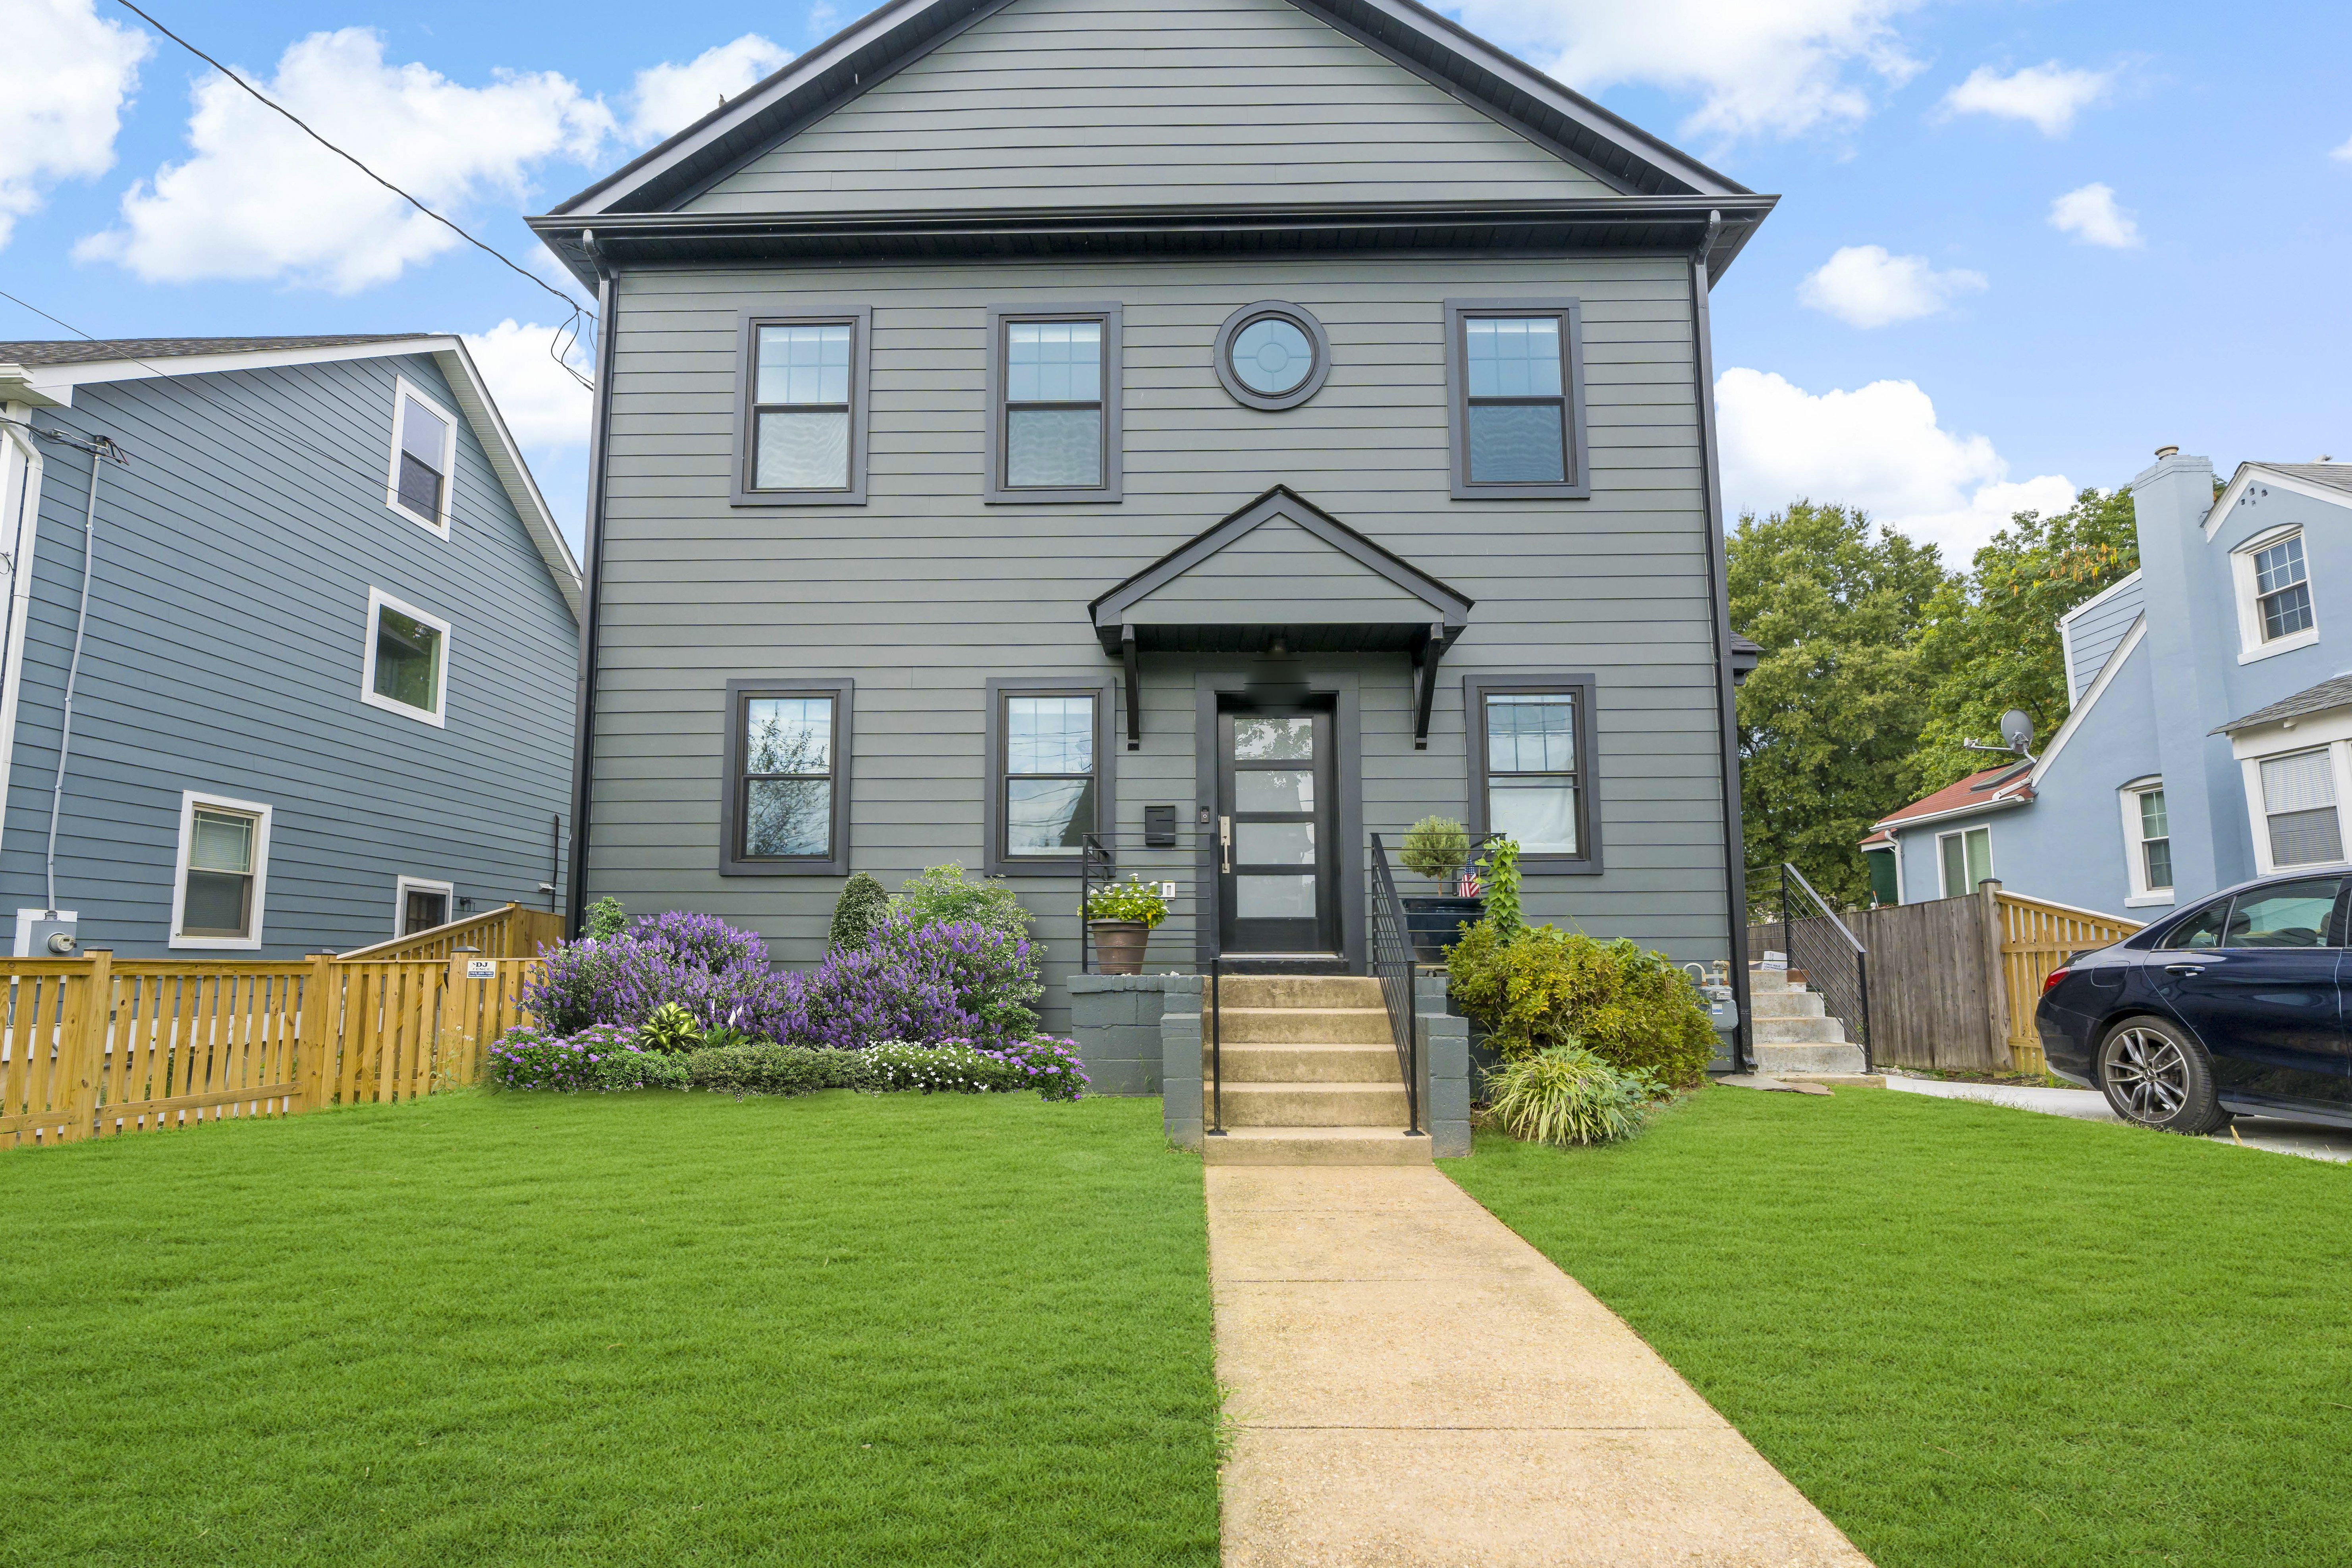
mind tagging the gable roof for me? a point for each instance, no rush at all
(2330, 482)
(2008, 784)
(46, 374)
(2335, 476)
(1638, 168)
(1435, 603)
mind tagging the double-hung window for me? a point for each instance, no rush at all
(407, 660)
(1965, 855)
(2148, 843)
(2301, 823)
(803, 410)
(785, 801)
(424, 452)
(223, 863)
(1053, 401)
(1531, 759)
(2276, 610)
(1050, 748)
(1515, 381)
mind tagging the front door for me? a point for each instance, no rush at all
(1276, 883)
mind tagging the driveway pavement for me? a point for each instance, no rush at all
(2306, 1139)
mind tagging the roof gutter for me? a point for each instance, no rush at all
(584, 744)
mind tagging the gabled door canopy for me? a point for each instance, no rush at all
(1369, 602)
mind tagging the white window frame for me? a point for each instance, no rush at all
(403, 885)
(2142, 896)
(403, 390)
(1990, 874)
(378, 601)
(2250, 646)
(2258, 822)
(189, 800)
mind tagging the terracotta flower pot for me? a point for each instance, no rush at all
(1118, 946)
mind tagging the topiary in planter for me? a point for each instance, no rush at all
(1436, 847)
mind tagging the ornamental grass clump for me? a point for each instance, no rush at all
(1539, 987)
(1567, 1095)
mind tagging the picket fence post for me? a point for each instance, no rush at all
(83, 1051)
(318, 1030)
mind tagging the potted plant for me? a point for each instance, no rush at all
(1119, 918)
(1438, 848)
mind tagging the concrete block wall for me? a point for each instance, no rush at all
(1445, 1069)
(1180, 1059)
(1115, 1020)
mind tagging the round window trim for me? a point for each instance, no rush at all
(1281, 310)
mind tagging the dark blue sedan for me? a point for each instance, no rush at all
(2235, 1004)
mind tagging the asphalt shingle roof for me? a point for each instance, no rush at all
(2335, 476)
(2334, 692)
(82, 351)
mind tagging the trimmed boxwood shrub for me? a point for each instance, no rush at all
(635, 1068)
(769, 1069)
(1539, 987)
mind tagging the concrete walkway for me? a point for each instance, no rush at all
(1411, 1383)
(2310, 1139)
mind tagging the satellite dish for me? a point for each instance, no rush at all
(2017, 731)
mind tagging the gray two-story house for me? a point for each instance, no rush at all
(2210, 736)
(1235, 430)
(303, 633)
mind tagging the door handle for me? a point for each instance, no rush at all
(1225, 840)
(2184, 969)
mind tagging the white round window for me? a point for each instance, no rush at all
(1272, 356)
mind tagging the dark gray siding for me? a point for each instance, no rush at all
(2093, 630)
(925, 592)
(1052, 102)
(228, 612)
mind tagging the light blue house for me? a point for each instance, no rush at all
(2210, 734)
(304, 633)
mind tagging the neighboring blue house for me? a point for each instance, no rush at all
(2210, 735)
(321, 660)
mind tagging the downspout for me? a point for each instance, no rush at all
(73, 670)
(1735, 844)
(583, 746)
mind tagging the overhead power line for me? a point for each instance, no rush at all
(577, 308)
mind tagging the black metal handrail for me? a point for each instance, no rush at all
(1835, 961)
(1389, 948)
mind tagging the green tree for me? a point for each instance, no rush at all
(1830, 721)
(1990, 641)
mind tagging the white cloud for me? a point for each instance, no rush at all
(669, 97)
(2046, 96)
(1862, 286)
(69, 74)
(260, 200)
(2344, 152)
(542, 406)
(1760, 66)
(2091, 216)
(1879, 449)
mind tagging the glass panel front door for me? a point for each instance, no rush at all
(1276, 889)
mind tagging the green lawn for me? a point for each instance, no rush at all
(626, 1329)
(1979, 1336)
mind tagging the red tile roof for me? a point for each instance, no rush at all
(1966, 794)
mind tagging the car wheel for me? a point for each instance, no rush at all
(2154, 1074)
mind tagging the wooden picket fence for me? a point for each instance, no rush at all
(95, 1048)
(509, 931)
(2035, 937)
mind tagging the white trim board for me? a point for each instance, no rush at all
(21, 471)
(2106, 678)
(2066, 632)
(189, 800)
(403, 884)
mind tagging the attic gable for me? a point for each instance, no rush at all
(1105, 102)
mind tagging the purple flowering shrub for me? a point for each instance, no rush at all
(602, 1056)
(1049, 1066)
(717, 973)
(705, 942)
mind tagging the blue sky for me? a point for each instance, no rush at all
(1979, 357)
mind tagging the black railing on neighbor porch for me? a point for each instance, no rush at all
(1834, 959)
(1389, 948)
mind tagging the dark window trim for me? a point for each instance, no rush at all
(861, 361)
(1475, 690)
(1105, 691)
(1579, 486)
(1114, 471)
(1297, 316)
(842, 691)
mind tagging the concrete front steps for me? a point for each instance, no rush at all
(1310, 1075)
(1794, 1034)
